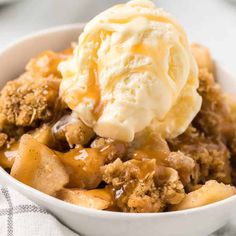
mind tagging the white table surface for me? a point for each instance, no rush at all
(210, 22)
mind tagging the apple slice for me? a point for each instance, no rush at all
(99, 199)
(39, 167)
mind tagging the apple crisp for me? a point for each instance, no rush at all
(45, 145)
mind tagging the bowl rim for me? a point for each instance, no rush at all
(15, 184)
(42, 33)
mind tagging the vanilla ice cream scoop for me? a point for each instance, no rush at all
(132, 69)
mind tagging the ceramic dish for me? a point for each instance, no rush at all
(195, 222)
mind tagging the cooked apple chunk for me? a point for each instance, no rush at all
(84, 167)
(99, 199)
(38, 166)
(210, 192)
(46, 63)
(203, 57)
(44, 135)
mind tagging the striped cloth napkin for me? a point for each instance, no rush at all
(21, 217)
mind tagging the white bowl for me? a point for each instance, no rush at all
(195, 222)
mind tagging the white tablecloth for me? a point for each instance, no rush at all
(211, 22)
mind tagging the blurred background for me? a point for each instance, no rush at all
(210, 22)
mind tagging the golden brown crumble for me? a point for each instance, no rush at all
(72, 130)
(183, 164)
(214, 118)
(136, 186)
(211, 156)
(26, 101)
